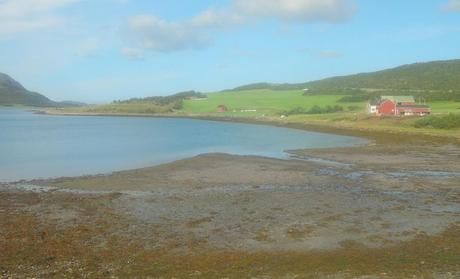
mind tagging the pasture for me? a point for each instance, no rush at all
(263, 102)
(267, 102)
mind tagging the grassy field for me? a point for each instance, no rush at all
(266, 102)
(269, 103)
(445, 107)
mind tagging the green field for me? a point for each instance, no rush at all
(265, 102)
(445, 107)
(270, 103)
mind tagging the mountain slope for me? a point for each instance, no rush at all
(435, 80)
(13, 93)
(437, 75)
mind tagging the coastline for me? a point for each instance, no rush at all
(374, 134)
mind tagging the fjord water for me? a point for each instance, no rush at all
(44, 146)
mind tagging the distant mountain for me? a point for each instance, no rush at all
(436, 80)
(13, 93)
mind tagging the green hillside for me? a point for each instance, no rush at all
(156, 104)
(438, 80)
(13, 93)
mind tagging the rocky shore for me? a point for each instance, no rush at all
(389, 209)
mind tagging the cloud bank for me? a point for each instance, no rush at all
(297, 10)
(18, 16)
(452, 5)
(147, 32)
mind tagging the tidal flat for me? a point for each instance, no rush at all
(385, 210)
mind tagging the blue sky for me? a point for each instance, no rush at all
(100, 50)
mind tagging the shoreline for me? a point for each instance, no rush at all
(374, 135)
(374, 138)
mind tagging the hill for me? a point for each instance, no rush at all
(13, 93)
(155, 104)
(438, 80)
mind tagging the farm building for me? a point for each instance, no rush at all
(372, 106)
(400, 105)
(222, 108)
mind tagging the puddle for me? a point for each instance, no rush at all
(424, 173)
(356, 175)
(319, 161)
(445, 208)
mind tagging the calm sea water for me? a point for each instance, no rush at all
(43, 146)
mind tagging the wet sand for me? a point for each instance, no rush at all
(387, 210)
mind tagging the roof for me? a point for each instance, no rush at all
(374, 102)
(399, 99)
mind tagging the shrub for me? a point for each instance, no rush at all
(450, 121)
(314, 110)
(353, 108)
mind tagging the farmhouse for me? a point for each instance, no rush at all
(399, 105)
(372, 106)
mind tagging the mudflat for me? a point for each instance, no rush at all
(386, 210)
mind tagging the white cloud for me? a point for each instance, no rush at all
(452, 5)
(17, 16)
(215, 18)
(151, 33)
(298, 10)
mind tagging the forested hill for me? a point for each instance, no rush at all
(438, 75)
(435, 80)
(13, 93)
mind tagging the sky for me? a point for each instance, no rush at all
(97, 51)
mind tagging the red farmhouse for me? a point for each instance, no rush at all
(401, 105)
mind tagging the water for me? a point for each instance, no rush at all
(44, 146)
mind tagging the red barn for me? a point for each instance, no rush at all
(401, 105)
(387, 107)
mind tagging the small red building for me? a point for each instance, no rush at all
(222, 108)
(401, 105)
